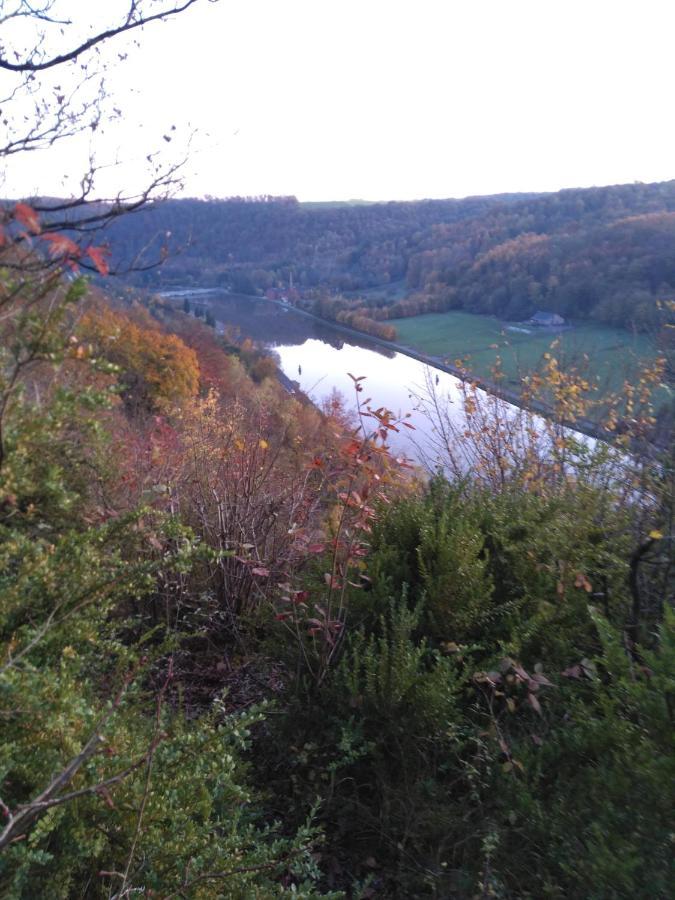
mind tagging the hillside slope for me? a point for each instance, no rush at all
(604, 252)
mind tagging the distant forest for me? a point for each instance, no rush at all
(603, 254)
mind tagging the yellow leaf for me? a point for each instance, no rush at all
(655, 535)
(262, 443)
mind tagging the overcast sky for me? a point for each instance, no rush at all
(390, 99)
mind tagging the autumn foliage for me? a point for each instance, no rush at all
(246, 651)
(156, 369)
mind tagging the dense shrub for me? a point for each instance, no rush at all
(486, 732)
(110, 783)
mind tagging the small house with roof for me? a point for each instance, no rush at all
(543, 319)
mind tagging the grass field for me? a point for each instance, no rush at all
(383, 293)
(613, 353)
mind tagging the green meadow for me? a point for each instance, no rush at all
(608, 354)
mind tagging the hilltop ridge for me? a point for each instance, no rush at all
(601, 253)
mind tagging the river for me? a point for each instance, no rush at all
(320, 358)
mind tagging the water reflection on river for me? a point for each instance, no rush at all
(319, 358)
(394, 382)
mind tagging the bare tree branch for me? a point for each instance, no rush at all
(27, 10)
(20, 820)
(134, 19)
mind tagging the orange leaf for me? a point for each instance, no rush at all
(98, 256)
(28, 217)
(60, 245)
(582, 582)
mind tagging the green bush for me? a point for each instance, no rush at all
(589, 814)
(507, 573)
(489, 733)
(108, 786)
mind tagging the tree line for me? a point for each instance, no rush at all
(600, 253)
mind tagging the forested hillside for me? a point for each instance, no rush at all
(600, 253)
(246, 652)
(267, 238)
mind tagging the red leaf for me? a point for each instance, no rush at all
(60, 245)
(28, 217)
(105, 794)
(520, 672)
(98, 256)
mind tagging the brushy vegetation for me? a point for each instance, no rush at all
(245, 653)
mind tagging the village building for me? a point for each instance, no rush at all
(545, 319)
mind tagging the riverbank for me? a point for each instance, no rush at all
(583, 425)
(282, 323)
